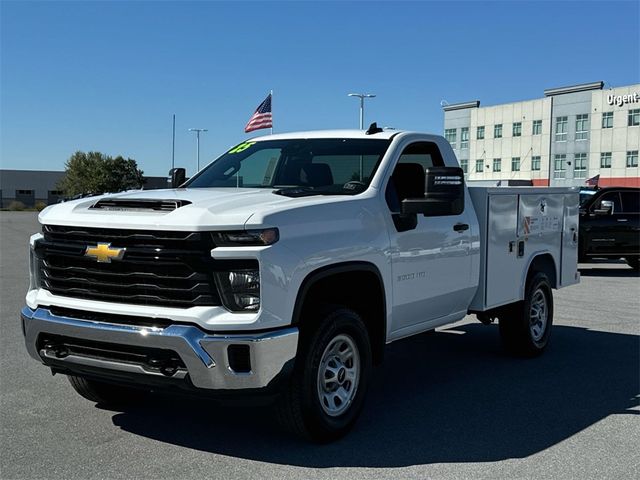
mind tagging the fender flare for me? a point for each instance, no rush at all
(323, 272)
(532, 259)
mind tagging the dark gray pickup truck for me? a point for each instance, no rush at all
(610, 224)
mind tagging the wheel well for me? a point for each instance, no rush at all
(356, 286)
(544, 263)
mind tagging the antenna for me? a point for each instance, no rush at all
(443, 103)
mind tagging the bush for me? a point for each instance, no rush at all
(16, 206)
(40, 206)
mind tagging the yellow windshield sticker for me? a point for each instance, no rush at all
(241, 148)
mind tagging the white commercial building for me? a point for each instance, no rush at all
(572, 135)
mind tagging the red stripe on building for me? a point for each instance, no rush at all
(540, 182)
(619, 182)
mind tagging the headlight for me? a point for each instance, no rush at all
(240, 289)
(267, 236)
(34, 263)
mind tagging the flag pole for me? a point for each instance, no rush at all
(173, 143)
(271, 93)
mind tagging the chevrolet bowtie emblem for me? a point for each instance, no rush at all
(103, 253)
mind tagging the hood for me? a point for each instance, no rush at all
(203, 209)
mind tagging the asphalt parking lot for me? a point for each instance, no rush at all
(444, 405)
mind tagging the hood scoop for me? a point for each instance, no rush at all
(138, 204)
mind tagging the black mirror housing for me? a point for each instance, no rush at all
(443, 193)
(177, 177)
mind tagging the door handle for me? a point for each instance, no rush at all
(622, 219)
(461, 227)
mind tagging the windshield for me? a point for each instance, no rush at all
(339, 166)
(585, 195)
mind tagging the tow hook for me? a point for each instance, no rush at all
(59, 351)
(167, 367)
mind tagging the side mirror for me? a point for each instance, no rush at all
(443, 193)
(606, 208)
(177, 177)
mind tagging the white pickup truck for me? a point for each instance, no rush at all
(283, 268)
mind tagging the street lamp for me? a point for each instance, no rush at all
(198, 130)
(362, 96)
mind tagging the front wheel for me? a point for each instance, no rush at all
(525, 326)
(326, 393)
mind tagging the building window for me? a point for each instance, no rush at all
(497, 131)
(497, 165)
(56, 192)
(537, 127)
(607, 120)
(517, 129)
(24, 192)
(580, 167)
(479, 166)
(632, 158)
(559, 166)
(464, 137)
(480, 133)
(535, 162)
(634, 118)
(605, 160)
(464, 165)
(561, 129)
(515, 164)
(450, 135)
(582, 126)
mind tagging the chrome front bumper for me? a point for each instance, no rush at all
(204, 355)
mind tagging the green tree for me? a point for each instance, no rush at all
(95, 172)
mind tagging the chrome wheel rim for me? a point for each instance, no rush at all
(538, 315)
(338, 375)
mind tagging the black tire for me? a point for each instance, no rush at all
(105, 393)
(300, 408)
(521, 334)
(633, 262)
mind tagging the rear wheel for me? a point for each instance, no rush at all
(525, 326)
(633, 262)
(326, 392)
(105, 393)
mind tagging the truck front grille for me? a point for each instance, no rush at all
(173, 269)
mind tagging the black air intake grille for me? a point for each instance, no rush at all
(173, 269)
(139, 204)
(111, 318)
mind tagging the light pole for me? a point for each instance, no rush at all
(362, 96)
(198, 130)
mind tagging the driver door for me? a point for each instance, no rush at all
(430, 256)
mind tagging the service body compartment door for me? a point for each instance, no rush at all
(541, 227)
(569, 264)
(503, 266)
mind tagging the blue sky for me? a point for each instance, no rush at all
(107, 76)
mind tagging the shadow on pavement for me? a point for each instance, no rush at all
(603, 267)
(448, 397)
(594, 271)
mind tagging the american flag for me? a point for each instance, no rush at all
(261, 117)
(593, 181)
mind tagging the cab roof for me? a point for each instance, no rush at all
(383, 135)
